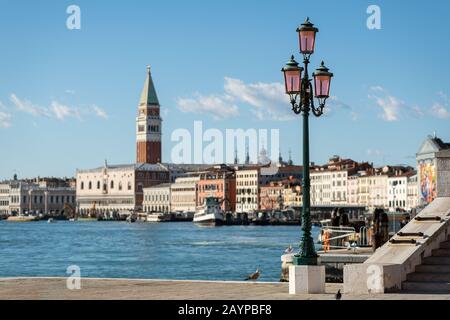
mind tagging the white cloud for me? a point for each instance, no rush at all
(5, 120)
(61, 111)
(28, 107)
(392, 107)
(267, 100)
(99, 112)
(56, 109)
(438, 110)
(220, 107)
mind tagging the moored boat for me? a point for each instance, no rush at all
(22, 218)
(210, 213)
(158, 217)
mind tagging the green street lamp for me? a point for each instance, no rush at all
(299, 88)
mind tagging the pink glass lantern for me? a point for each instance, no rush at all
(307, 37)
(322, 80)
(292, 77)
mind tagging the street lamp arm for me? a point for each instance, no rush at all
(296, 107)
(317, 111)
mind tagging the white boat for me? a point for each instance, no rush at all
(210, 213)
(158, 217)
(50, 220)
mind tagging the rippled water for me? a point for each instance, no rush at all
(143, 250)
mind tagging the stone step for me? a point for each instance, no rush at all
(441, 287)
(441, 253)
(428, 277)
(437, 260)
(436, 268)
(445, 245)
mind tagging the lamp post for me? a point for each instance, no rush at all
(301, 95)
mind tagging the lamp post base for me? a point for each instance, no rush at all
(306, 279)
(298, 260)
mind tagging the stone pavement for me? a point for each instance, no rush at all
(99, 289)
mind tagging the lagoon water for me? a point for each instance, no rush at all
(144, 250)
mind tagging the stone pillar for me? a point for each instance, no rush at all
(306, 279)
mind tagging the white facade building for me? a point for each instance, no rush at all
(21, 197)
(117, 188)
(378, 191)
(247, 190)
(321, 193)
(397, 192)
(183, 194)
(413, 192)
(157, 199)
(4, 199)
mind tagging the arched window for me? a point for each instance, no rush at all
(112, 184)
(129, 185)
(120, 186)
(90, 185)
(98, 184)
(82, 185)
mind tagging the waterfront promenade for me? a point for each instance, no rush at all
(130, 289)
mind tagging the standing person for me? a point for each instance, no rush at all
(343, 218)
(376, 229)
(335, 217)
(384, 227)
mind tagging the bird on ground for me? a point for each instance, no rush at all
(338, 295)
(254, 276)
(289, 249)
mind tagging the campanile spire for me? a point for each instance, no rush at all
(148, 124)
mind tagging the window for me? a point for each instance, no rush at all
(129, 185)
(112, 185)
(141, 128)
(90, 185)
(82, 185)
(98, 185)
(120, 186)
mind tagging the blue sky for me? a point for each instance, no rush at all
(69, 97)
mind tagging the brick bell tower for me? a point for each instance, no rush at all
(148, 125)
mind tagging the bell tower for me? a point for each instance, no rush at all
(148, 125)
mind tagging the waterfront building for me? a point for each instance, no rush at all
(247, 189)
(271, 196)
(352, 189)
(378, 191)
(184, 193)
(116, 188)
(157, 198)
(279, 195)
(433, 167)
(413, 199)
(4, 199)
(292, 193)
(398, 185)
(148, 125)
(219, 182)
(329, 182)
(19, 197)
(364, 189)
(320, 187)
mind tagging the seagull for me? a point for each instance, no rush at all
(254, 276)
(338, 295)
(289, 249)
